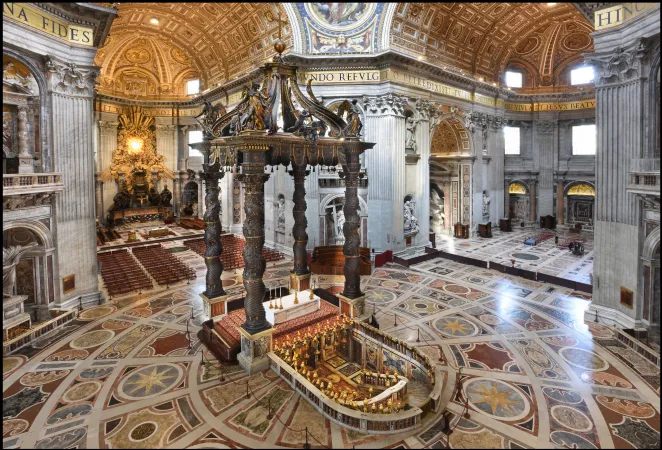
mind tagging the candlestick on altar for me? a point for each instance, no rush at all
(296, 297)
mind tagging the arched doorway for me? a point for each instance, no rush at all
(190, 205)
(519, 202)
(651, 285)
(580, 201)
(28, 247)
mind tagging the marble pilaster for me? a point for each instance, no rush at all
(385, 125)
(424, 109)
(546, 131)
(107, 145)
(25, 159)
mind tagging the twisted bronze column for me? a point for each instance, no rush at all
(214, 246)
(253, 178)
(300, 222)
(350, 229)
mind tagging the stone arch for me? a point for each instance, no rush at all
(575, 183)
(363, 206)
(294, 20)
(44, 103)
(385, 28)
(450, 137)
(526, 186)
(39, 229)
(651, 244)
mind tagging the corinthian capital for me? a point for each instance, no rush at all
(69, 79)
(620, 65)
(425, 108)
(387, 103)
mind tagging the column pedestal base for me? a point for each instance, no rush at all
(254, 348)
(351, 307)
(300, 282)
(214, 308)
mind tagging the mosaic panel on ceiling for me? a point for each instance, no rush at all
(338, 28)
(208, 40)
(480, 37)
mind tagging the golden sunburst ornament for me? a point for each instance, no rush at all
(494, 397)
(148, 381)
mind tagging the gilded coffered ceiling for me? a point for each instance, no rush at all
(154, 48)
(483, 39)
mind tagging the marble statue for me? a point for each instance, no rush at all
(437, 217)
(10, 258)
(486, 204)
(410, 142)
(411, 222)
(340, 221)
(281, 214)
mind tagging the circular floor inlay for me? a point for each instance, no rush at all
(381, 296)
(41, 378)
(538, 357)
(92, 339)
(95, 313)
(583, 359)
(571, 418)
(455, 326)
(143, 431)
(81, 391)
(525, 256)
(150, 381)
(68, 355)
(496, 399)
(456, 289)
(181, 310)
(9, 363)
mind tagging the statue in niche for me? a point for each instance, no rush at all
(351, 112)
(166, 196)
(411, 222)
(10, 258)
(437, 217)
(486, 204)
(154, 197)
(410, 142)
(340, 221)
(281, 213)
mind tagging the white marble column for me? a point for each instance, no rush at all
(107, 146)
(425, 110)
(545, 139)
(313, 209)
(25, 159)
(385, 164)
(71, 92)
(622, 61)
(166, 144)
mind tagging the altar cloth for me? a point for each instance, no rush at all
(290, 310)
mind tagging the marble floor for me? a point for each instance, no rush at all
(545, 257)
(127, 374)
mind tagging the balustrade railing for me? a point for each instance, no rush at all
(31, 182)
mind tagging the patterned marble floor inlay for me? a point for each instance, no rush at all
(131, 373)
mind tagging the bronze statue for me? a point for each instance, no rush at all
(209, 114)
(307, 127)
(154, 197)
(256, 116)
(353, 117)
(166, 196)
(121, 200)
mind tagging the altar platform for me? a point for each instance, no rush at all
(291, 310)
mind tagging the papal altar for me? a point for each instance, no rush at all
(290, 310)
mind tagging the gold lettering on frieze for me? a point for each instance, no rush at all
(34, 17)
(344, 76)
(519, 107)
(616, 15)
(489, 101)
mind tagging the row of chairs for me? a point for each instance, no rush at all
(233, 247)
(165, 268)
(192, 222)
(121, 273)
(106, 235)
